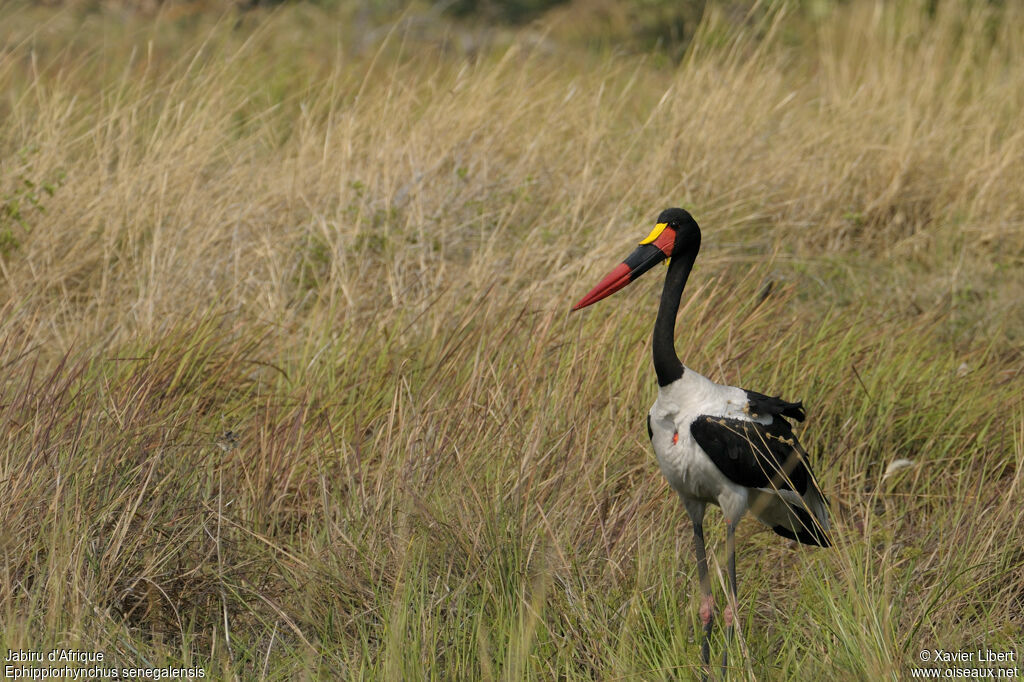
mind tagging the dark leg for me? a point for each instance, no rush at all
(707, 602)
(729, 614)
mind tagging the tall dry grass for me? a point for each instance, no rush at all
(290, 388)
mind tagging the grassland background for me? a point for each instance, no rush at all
(289, 387)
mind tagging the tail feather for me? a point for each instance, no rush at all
(807, 530)
(801, 518)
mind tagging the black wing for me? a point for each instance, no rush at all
(754, 455)
(768, 456)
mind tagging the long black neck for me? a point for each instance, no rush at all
(666, 362)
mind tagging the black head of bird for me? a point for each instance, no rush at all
(675, 235)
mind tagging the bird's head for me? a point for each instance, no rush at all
(675, 234)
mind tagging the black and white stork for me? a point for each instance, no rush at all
(718, 444)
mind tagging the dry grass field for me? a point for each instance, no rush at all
(289, 386)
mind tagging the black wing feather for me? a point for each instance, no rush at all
(761, 405)
(752, 454)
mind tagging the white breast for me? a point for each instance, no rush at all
(688, 470)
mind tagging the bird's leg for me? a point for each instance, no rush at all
(707, 602)
(729, 614)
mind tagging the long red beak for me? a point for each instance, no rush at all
(645, 257)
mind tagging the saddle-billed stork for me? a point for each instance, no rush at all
(717, 444)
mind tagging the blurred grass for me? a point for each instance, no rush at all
(290, 388)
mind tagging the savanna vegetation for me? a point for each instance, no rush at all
(289, 386)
